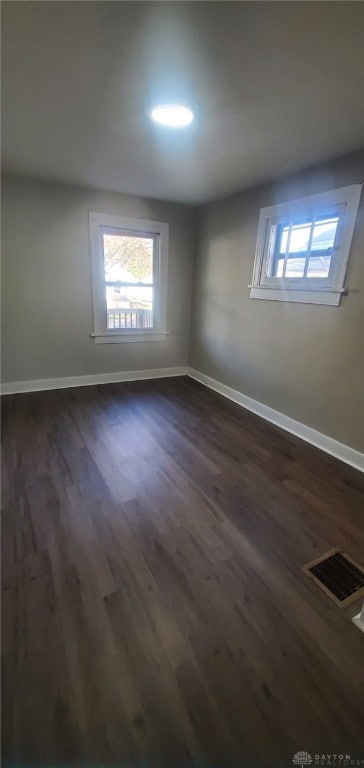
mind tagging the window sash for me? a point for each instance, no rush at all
(270, 254)
(126, 232)
(133, 285)
(121, 232)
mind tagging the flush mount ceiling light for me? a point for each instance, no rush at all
(171, 115)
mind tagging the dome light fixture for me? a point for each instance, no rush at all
(171, 115)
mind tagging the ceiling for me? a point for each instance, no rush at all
(278, 85)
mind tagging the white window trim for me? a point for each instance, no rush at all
(308, 291)
(102, 335)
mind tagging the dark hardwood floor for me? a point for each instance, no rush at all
(155, 611)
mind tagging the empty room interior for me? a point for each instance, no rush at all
(182, 384)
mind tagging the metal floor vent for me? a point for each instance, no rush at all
(338, 575)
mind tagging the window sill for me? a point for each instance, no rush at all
(129, 336)
(328, 296)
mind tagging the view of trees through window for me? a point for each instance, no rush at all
(128, 266)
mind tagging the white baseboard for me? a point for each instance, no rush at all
(36, 385)
(325, 443)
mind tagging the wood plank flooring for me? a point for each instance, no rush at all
(155, 611)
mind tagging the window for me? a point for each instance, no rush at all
(303, 248)
(129, 275)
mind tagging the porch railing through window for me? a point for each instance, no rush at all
(130, 318)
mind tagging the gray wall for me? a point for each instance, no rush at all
(47, 313)
(306, 361)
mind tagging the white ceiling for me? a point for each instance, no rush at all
(279, 86)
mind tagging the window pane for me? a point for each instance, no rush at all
(300, 235)
(321, 249)
(128, 258)
(319, 266)
(129, 306)
(324, 234)
(298, 241)
(284, 238)
(295, 267)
